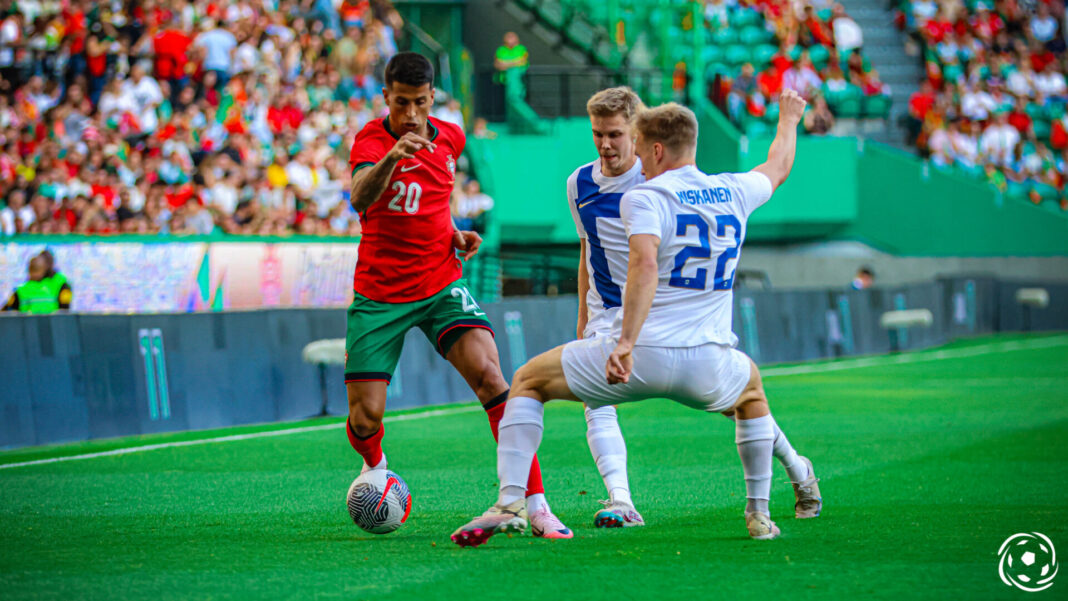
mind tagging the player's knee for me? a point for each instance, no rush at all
(752, 404)
(364, 423)
(488, 381)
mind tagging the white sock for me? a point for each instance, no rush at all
(796, 469)
(519, 435)
(536, 502)
(754, 439)
(609, 451)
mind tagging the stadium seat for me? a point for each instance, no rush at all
(849, 106)
(762, 54)
(877, 107)
(820, 55)
(725, 37)
(753, 36)
(712, 53)
(1042, 128)
(743, 17)
(771, 115)
(738, 54)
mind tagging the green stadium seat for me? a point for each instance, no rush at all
(743, 17)
(762, 54)
(820, 55)
(849, 106)
(1017, 190)
(714, 69)
(1055, 110)
(795, 52)
(825, 14)
(1045, 191)
(725, 37)
(771, 115)
(712, 53)
(738, 54)
(1042, 129)
(757, 128)
(1035, 111)
(952, 72)
(877, 107)
(973, 171)
(754, 36)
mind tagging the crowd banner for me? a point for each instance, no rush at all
(183, 277)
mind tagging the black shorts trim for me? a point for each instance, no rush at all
(452, 332)
(367, 376)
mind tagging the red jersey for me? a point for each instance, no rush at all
(406, 252)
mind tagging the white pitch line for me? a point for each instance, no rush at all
(916, 357)
(234, 437)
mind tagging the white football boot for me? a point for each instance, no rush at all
(497, 519)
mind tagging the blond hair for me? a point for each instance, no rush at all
(615, 101)
(671, 124)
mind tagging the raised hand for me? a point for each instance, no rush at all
(791, 108)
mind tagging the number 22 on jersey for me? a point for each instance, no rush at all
(409, 194)
(703, 250)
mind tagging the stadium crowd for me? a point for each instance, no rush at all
(167, 116)
(816, 50)
(992, 103)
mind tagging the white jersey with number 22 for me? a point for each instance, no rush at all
(700, 220)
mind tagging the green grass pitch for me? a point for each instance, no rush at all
(927, 462)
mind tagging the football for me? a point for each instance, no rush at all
(379, 501)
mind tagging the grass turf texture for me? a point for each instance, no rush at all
(926, 468)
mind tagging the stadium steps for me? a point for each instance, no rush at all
(885, 46)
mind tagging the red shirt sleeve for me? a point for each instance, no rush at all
(367, 148)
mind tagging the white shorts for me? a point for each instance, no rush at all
(709, 377)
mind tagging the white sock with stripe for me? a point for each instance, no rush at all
(754, 439)
(519, 437)
(609, 451)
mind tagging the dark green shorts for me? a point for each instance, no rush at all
(375, 336)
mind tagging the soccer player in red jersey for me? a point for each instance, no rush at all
(407, 273)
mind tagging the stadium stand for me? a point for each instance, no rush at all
(760, 48)
(204, 117)
(992, 101)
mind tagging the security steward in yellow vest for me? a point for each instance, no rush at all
(42, 294)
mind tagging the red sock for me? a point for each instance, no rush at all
(495, 412)
(369, 448)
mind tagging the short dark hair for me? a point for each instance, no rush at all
(409, 68)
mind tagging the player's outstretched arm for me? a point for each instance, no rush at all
(637, 300)
(784, 146)
(369, 184)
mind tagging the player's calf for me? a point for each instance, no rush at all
(367, 402)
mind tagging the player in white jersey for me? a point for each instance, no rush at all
(673, 336)
(593, 194)
(594, 191)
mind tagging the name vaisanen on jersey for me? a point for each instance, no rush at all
(706, 196)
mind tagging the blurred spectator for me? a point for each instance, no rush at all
(865, 278)
(174, 117)
(847, 34)
(469, 204)
(993, 102)
(450, 111)
(40, 294)
(819, 119)
(510, 55)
